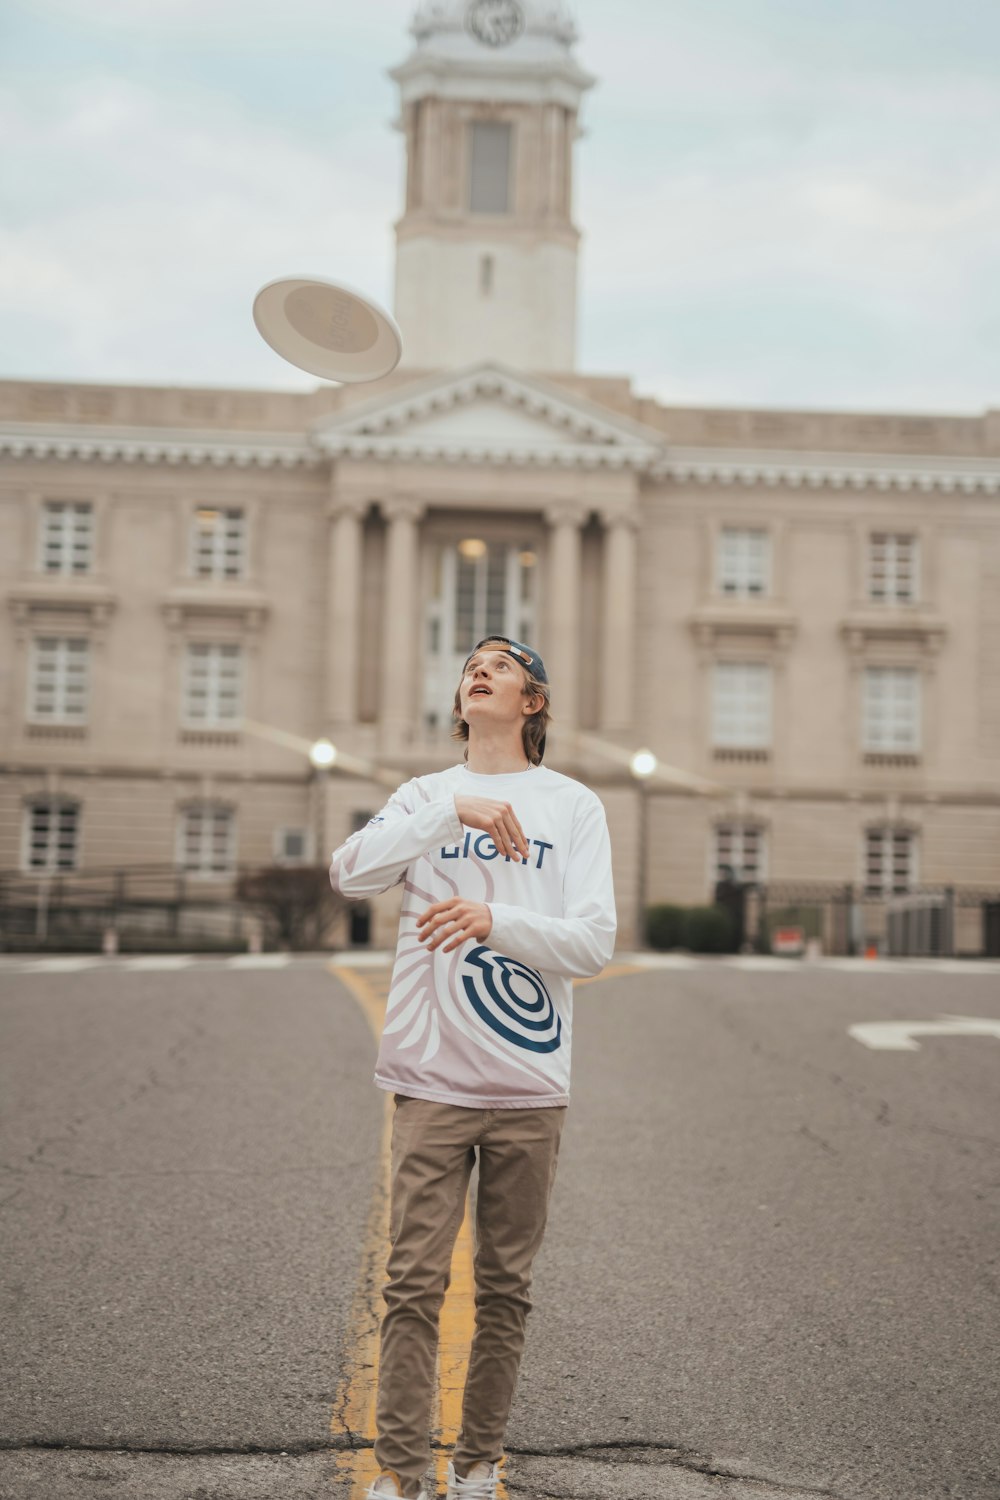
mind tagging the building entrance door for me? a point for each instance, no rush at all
(476, 587)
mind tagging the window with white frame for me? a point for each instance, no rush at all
(890, 861)
(892, 567)
(489, 172)
(51, 835)
(67, 540)
(213, 685)
(739, 848)
(219, 543)
(207, 839)
(891, 724)
(58, 680)
(743, 565)
(741, 705)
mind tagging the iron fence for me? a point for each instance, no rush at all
(148, 907)
(943, 921)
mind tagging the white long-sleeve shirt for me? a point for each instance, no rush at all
(488, 1025)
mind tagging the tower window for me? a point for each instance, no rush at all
(489, 179)
(486, 275)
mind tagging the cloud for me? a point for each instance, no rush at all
(167, 220)
(805, 233)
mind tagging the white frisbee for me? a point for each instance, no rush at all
(327, 328)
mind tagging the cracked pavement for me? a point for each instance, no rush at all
(770, 1271)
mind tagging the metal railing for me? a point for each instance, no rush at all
(942, 921)
(147, 905)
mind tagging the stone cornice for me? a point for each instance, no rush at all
(764, 621)
(137, 445)
(836, 471)
(398, 450)
(863, 629)
(57, 597)
(245, 605)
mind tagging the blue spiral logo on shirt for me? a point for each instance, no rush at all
(512, 1000)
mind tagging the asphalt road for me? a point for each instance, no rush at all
(771, 1266)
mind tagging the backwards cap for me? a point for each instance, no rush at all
(529, 659)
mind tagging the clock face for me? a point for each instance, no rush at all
(495, 22)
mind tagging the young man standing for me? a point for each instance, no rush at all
(508, 896)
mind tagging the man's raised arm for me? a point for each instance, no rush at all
(378, 855)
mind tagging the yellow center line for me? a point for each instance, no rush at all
(356, 1394)
(613, 971)
(355, 1405)
(458, 1317)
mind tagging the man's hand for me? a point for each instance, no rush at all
(498, 819)
(454, 922)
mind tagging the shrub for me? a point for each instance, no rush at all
(665, 926)
(708, 929)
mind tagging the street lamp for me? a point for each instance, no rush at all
(643, 765)
(322, 755)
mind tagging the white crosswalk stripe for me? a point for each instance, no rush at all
(259, 961)
(158, 961)
(60, 965)
(760, 962)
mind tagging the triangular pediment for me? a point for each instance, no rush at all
(488, 414)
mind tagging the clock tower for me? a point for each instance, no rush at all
(486, 249)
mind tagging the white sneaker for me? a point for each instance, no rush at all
(388, 1487)
(479, 1484)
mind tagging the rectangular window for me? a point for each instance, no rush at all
(489, 178)
(58, 683)
(890, 861)
(207, 840)
(51, 835)
(218, 543)
(891, 721)
(739, 847)
(892, 568)
(67, 536)
(293, 846)
(213, 686)
(744, 563)
(741, 705)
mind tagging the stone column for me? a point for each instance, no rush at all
(562, 646)
(618, 623)
(398, 688)
(343, 604)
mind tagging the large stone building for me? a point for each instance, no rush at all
(801, 611)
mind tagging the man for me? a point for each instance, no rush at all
(506, 872)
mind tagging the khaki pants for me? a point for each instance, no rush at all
(433, 1151)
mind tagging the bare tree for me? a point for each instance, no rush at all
(295, 902)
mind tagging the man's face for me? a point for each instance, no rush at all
(492, 690)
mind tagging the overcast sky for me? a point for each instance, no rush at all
(784, 202)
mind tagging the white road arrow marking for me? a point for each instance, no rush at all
(897, 1036)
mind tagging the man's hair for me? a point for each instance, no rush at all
(532, 730)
